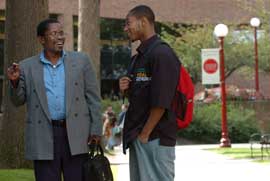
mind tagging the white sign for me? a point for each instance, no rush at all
(210, 66)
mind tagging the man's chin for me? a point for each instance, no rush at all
(59, 49)
(133, 39)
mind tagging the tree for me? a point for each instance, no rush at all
(89, 31)
(260, 9)
(22, 18)
(187, 41)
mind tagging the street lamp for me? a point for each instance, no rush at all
(255, 22)
(221, 31)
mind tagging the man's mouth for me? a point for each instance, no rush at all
(60, 44)
(129, 34)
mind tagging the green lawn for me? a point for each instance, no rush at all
(17, 175)
(242, 153)
(28, 175)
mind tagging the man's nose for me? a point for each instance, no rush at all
(125, 28)
(61, 37)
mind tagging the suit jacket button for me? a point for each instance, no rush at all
(76, 83)
(37, 106)
(75, 114)
(77, 98)
(39, 121)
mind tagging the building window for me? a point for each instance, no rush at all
(75, 32)
(115, 53)
(53, 16)
(2, 37)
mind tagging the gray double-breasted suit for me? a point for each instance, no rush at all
(83, 109)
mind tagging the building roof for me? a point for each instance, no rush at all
(179, 11)
(183, 11)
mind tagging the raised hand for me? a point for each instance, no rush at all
(13, 73)
(124, 83)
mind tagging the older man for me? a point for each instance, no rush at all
(63, 105)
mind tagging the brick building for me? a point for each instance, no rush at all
(115, 48)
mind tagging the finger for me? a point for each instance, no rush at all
(124, 83)
(92, 141)
(10, 71)
(125, 79)
(124, 88)
(15, 66)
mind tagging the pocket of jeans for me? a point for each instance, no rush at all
(166, 153)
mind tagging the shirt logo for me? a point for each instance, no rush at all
(141, 75)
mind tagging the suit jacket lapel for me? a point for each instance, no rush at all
(69, 66)
(38, 78)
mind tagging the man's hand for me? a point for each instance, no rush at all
(143, 138)
(94, 139)
(124, 83)
(13, 74)
(154, 117)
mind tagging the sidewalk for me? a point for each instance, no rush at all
(193, 163)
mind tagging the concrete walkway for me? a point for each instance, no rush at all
(193, 163)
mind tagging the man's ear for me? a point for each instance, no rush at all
(41, 40)
(139, 25)
(144, 21)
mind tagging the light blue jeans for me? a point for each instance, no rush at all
(151, 161)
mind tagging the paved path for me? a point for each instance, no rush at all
(193, 163)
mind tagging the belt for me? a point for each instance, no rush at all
(59, 123)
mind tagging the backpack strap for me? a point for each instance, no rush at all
(149, 62)
(131, 66)
(153, 46)
(146, 57)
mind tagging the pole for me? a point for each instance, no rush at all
(224, 141)
(256, 61)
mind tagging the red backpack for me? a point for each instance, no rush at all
(182, 103)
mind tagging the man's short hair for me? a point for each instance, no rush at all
(44, 25)
(143, 11)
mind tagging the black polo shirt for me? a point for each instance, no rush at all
(153, 84)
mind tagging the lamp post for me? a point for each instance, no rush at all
(255, 22)
(221, 31)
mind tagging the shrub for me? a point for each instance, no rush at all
(206, 125)
(116, 105)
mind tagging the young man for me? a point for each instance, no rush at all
(150, 126)
(63, 105)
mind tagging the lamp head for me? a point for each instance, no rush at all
(221, 30)
(255, 22)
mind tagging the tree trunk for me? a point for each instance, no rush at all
(89, 30)
(22, 18)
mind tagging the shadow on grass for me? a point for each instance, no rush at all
(28, 174)
(242, 153)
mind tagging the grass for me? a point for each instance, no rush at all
(28, 175)
(16, 175)
(242, 153)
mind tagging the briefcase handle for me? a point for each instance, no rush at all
(95, 148)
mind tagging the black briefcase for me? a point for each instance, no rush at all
(97, 166)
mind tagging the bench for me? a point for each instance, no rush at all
(263, 140)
